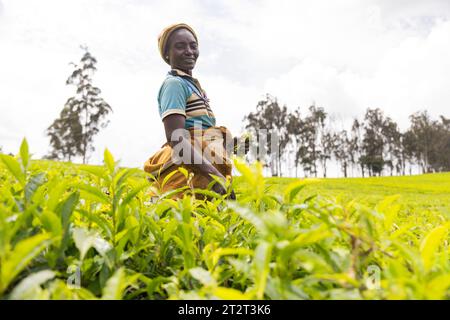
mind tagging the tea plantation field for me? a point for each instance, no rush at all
(91, 232)
(418, 192)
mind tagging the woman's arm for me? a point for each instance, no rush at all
(198, 163)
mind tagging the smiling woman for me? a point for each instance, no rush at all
(189, 122)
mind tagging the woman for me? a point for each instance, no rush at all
(188, 120)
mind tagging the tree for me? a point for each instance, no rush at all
(373, 142)
(342, 150)
(313, 144)
(443, 145)
(430, 140)
(307, 149)
(356, 147)
(269, 121)
(295, 126)
(420, 132)
(439, 147)
(317, 125)
(73, 132)
(392, 146)
(64, 134)
(327, 145)
(408, 142)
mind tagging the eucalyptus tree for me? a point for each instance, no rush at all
(421, 129)
(295, 125)
(392, 152)
(343, 150)
(269, 122)
(82, 116)
(356, 148)
(373, 141)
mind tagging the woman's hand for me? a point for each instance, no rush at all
(237, 145)
(219, 188)
(196, 161)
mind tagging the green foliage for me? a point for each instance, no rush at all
(92, 232)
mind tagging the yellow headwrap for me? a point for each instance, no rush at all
(165, 34)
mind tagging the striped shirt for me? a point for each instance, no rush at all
(182, 94)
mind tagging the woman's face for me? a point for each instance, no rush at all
(183, 50)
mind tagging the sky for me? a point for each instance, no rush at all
(343, 55)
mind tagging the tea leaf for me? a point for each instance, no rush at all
(14, 168)
(261, 266)
(430, 244)
(25, 289)
(86, 239)
(116, 285)
(203, 276)
(229, 294)
(109, 161)
(22, 254)
(24, 154)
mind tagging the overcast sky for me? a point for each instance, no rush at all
(345, 55)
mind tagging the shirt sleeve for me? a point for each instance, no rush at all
(172, 98)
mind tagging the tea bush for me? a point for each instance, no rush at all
(92, 232)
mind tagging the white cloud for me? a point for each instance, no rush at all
(371, 66)
(345, 55)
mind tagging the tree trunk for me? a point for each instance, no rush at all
(273, 166)
(85, 135)
(345, 169)
(279, 165)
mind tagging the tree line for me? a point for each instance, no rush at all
(372, 146)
